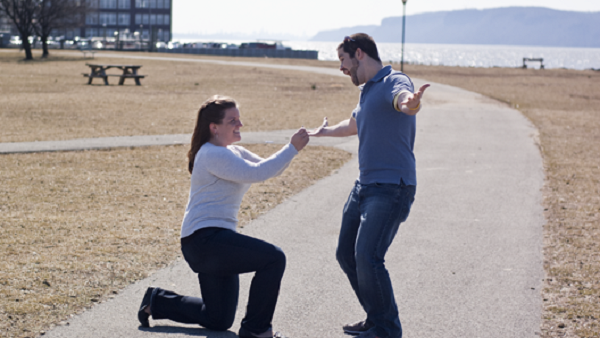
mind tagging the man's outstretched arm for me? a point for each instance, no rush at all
(409, 103)
(342, 129)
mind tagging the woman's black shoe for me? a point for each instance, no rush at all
(142, 314)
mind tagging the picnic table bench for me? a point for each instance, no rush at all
(86, 48)
(128, 72)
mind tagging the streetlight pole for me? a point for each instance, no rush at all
(403, 31)
(104, 29)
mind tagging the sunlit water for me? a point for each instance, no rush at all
(471, 55)
(467, 55)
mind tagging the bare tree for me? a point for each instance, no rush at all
(57, 14)
(22, 13)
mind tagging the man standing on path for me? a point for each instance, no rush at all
(384, 120)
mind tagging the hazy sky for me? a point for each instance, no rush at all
(307, 17)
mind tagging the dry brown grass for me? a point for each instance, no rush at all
(50, 100)
(565, 107)
(79, 226)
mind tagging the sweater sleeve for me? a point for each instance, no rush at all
(248, 155)
(223, 163)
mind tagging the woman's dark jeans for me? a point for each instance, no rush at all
(218, 256)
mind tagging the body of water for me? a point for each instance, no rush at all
(463, 55)
(470, 55)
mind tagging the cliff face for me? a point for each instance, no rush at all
(532, 26)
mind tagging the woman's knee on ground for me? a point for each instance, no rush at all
(220, 323)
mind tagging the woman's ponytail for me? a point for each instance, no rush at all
(211, 111)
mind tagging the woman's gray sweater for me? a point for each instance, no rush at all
(220, 178)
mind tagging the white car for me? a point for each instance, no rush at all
(15, 40)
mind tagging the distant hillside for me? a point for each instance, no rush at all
(532, 26)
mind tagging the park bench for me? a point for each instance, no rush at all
(87, 48)
(540, 60)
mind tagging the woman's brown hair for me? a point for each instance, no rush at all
(211, 111)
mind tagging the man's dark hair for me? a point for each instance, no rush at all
(360, 40)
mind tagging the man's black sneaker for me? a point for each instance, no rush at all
(357, 328)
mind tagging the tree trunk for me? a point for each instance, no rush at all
(27, 47)
(45, 53)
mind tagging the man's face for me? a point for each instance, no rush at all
(349, 66)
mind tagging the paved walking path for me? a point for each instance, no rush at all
(467, 263)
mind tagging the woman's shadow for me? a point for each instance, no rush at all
(190, 331)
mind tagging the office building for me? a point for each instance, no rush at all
(129, 19)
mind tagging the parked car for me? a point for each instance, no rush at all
(15, 40)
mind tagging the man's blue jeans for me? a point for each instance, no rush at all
(372, 216)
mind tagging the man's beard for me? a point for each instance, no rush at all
(353, 74)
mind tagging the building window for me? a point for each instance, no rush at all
(91, 32)
(138, 19)
(145, 34)
(159, 19)
(167, 4)
(124, 19)
(109, 19)
(108, 4)
(166, 20)
(70, 34)
(153, 19)
(91, 19)
(103, 19)
(141, 3)
(152, 3)
(124, 4)
(92, 3)
(159, 4)
(145, 19)
(165, 36)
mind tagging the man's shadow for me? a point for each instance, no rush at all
(190, 331)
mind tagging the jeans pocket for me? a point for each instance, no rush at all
(406, 197)
(194, 246)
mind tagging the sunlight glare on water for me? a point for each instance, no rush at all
(469, 55)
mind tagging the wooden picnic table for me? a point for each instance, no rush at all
(128, 72)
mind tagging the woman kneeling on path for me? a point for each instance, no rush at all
(221, 175)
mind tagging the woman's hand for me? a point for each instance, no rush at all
(300, 139)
